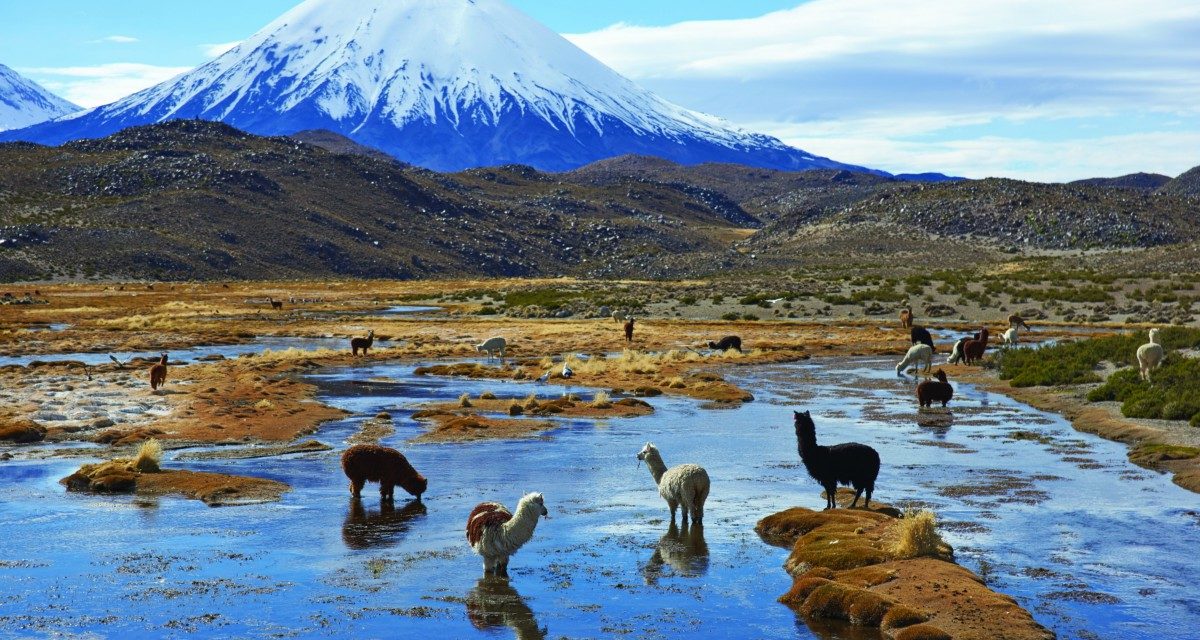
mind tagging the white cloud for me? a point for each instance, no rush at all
(101, 84)
(115, 40)
(214, 50)
(847, 76)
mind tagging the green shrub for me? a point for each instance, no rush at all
(731, 316)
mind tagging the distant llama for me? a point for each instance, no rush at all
(158, 373)
(1150, 355)
(917, 354)
(973, 350)
(362, 343)
(629, 329)
(906, 318)
(931, 391)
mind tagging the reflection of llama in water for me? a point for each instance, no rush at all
(368, 529)
(493, 604)
(684, 549)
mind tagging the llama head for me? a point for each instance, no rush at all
(163, 359)
(415, 486)
(712, 344)
(539, 502)
(940, 375)
(983, 333)
(804, 423)
(647, 451)
(1154, 335)
(371, 333)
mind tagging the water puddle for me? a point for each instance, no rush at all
(1093, 546)
(258, 345)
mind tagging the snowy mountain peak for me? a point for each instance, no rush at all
(23, 102)
(447, 84)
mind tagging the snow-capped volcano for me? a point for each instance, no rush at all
(447, 84)
(24, 102)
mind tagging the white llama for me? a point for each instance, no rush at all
(495, 533)
(686, 484)
(1012, 335)
(917, 354)
(1150, 355)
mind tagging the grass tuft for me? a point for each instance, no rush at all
(149, 456)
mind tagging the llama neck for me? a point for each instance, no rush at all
(1154, 338)
(520, 529)
(806, 443)
(656, 465)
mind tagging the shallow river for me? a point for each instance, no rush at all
(1094, 546)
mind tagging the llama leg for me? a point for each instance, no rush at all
(356, 486)
(857, 492)
(830, 496)
(870, 490)
(674, 505)
(386, 490)
(503, 567)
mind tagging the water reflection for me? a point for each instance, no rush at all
(494, 603)
(684, 549)
(365, 529)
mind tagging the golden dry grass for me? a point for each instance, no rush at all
(916, 536)
(149, 456)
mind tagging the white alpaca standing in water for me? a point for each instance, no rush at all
(495, 533)
(917, 354)
(686, 484)
(1149, 356)
(1012, 336)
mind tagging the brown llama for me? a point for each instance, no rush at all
(629, 330)
(362, 343)
(1017, 321)
(973, 349)
(275, 304)
(388, 467)
(906, 318)
(931, 391)
(158, 373)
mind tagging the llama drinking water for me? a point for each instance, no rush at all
(917, 354)
(495, 533)
(850, 463)
(492, 346)
(685, 484)
(1149, 356)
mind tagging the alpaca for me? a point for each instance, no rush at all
(917, 354)
(495, 533)
(849, 463)
(921, 334)
(931, 391)
(956, 353)
(620, 316)
(388, 467)
(1149, 356)
(685, 484)
(275, 304)
(1015, 320)
(629, 329)
(158, 373)
(906, 318)
(726, 343)
(362, 343)
(1012, 336)
(492, 345)
(973, 349)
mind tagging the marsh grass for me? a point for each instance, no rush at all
(1076, 362)
(917, 536)
(601, 401)
(149, 456)
(464, 400)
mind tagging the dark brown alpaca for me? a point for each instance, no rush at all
(973, 349)
(275, 304)
(932, 391)
(906, 318)
(158, 373)
(629, 330)
(362, 343)
(1017, 321)
(388, 467)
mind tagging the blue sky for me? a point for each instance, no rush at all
(1020, 88)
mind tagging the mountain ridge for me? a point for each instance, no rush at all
(24, 102)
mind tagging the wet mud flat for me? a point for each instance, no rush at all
(1092, 545)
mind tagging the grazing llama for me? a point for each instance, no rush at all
(906, 318)
(1150, 355)
(726, 343)
(158, 373)
(922, 335)
(849, 463)
(362, 343)
(685, 484)
(492, 345)
(495, 533)
(917, 354)
(629, 329)
(973, 349)
(275, 304)
(388, 467)
(931, 391)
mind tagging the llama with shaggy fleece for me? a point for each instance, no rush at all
(495, 533)
(1150, 355)
(388, 467)
(685, 484)
(931, 391)
(158, 373)
(917, 354)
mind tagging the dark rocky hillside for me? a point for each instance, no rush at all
(1147, 181)
(1187, 184)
